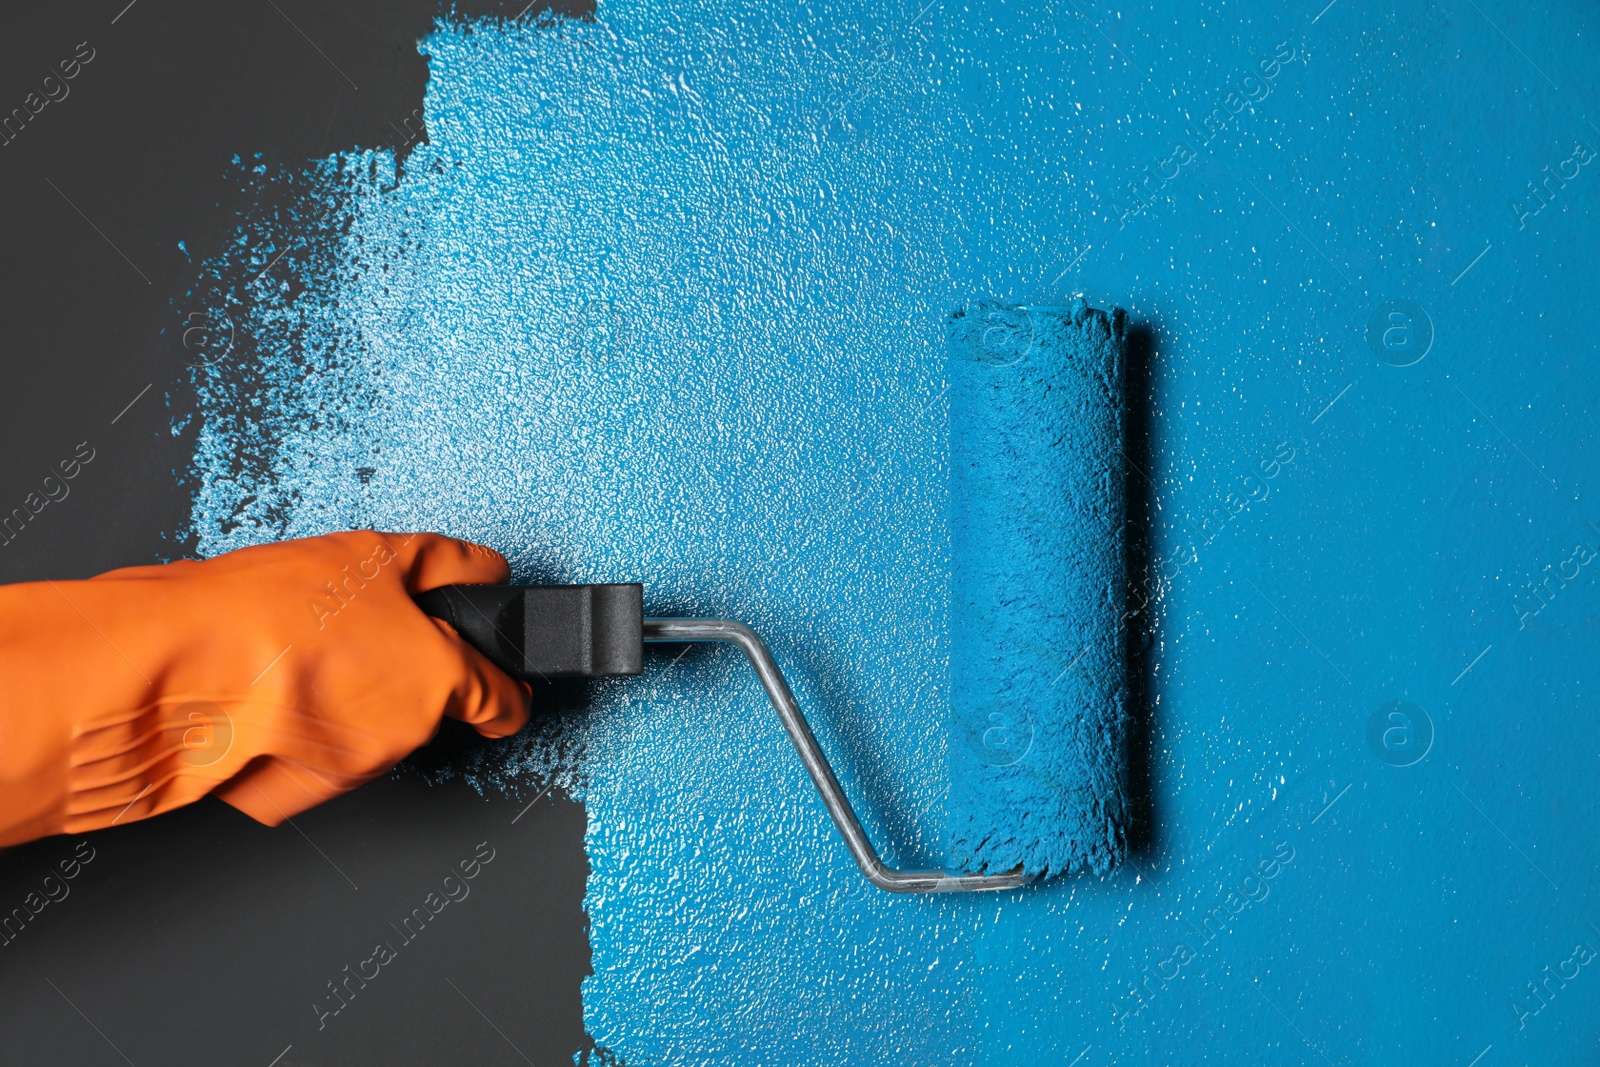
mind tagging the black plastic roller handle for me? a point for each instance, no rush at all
(548, 631)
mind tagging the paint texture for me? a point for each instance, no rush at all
(1038, 569)
(662, 299)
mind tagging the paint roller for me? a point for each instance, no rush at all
(1037, 721)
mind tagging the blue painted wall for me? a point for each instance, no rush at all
(661, 300)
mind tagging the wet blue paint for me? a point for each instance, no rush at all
(662, 301)
(1038, 570)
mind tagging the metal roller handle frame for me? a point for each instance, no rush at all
(794, 723)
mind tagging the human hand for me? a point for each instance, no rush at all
(275, 677)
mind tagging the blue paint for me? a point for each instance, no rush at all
(1038, 570)
(662, 301)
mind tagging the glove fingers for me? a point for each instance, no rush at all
(496, 704)
(430, 560)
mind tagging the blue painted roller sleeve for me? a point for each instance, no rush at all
(1038, 579)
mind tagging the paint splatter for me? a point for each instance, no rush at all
(281, 376)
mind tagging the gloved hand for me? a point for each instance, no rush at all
(276, 677)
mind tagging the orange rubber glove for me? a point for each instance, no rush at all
(276, 677)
